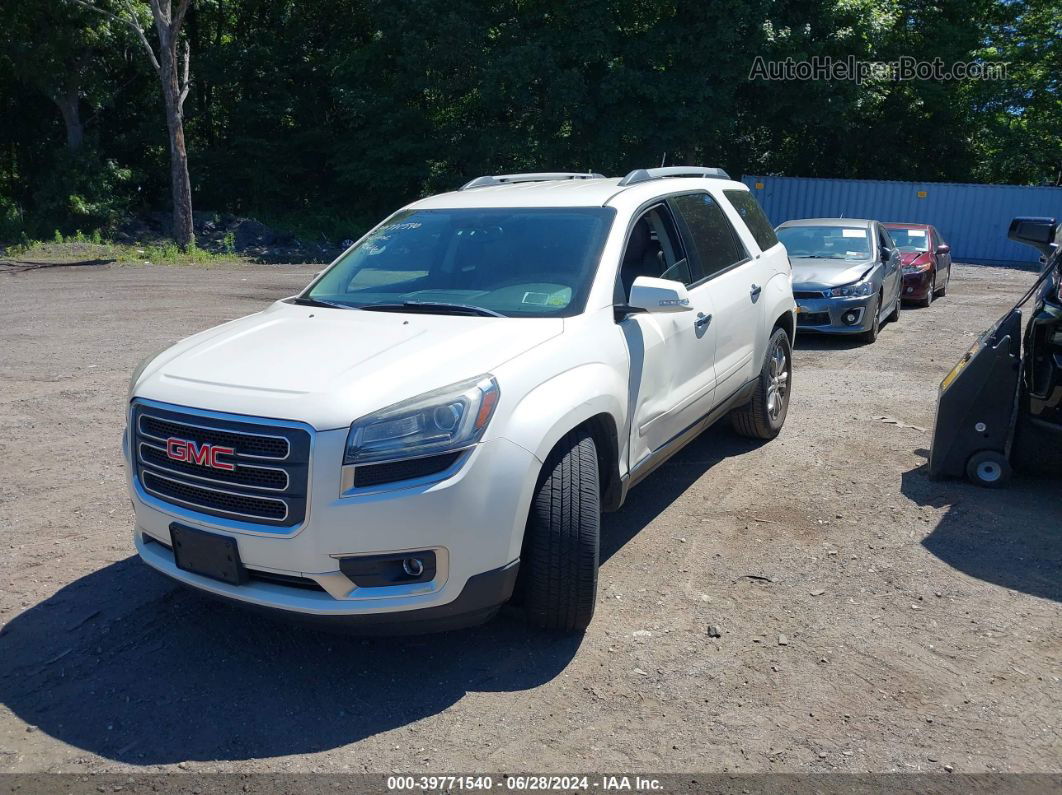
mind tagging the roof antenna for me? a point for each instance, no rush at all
(663, 160)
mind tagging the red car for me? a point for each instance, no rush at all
(926, 261)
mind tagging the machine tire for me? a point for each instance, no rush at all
(562, 543)
(761, 417)
(989, 469)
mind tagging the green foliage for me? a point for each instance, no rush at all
(80, 191)
(11, 225)
(319, 116)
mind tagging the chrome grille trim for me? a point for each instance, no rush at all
(219, 499)
(169, 498)
(159, 467)
(141, 432)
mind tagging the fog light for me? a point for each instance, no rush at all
(413, 567)
(850, 318)
(910, 289)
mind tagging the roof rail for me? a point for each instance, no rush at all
(543, 176)
(646, 174)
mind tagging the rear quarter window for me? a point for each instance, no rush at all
(754, 217)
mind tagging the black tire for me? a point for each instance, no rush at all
(989, 469)
(764, 415)
(894, 315)
(870, 336)
(562, 542)
(927, 302)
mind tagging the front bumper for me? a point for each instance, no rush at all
(917, 285)
(827, 315)
(472, 519)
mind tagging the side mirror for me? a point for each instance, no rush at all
(659, 295)
(885, 254)
(943, 248)
(1036, 232)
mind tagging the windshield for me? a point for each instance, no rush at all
(826, 242)
(910, 239)
(525, 262)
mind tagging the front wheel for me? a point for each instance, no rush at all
(763, 416)
(562, 542)
(931, 294)
(871, 334)
(988, 468)
(895, 314)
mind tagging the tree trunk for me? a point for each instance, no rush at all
(180, 183)
(70, 106)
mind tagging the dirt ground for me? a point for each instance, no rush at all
(870, 620)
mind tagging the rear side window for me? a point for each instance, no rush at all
(715, 243)
(754, 217)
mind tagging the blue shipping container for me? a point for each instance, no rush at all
(972, 218)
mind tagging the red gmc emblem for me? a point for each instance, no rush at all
(202, 454)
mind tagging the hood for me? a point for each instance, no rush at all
(327, 367)
(914, 257)
(825, 272)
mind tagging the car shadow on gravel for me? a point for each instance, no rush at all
(126, 665)
(652, 496)
(1010, 537)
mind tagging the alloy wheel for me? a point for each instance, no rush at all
(778, 385)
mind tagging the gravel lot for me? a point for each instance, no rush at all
(870, 620)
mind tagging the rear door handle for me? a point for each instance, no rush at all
(755, 291)
(702, 321)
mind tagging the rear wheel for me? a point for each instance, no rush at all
(988, 468)
(763, 416)
(558, 569)
(870, 335)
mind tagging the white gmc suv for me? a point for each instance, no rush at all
(436, 423)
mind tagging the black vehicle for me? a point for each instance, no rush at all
(1002, 402)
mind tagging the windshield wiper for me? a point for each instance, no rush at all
(307, 301)
(434, 308)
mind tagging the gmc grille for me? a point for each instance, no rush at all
(268, 481)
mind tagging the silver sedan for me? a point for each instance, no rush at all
(846, 275)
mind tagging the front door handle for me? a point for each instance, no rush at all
(755, 291)
(702, 321)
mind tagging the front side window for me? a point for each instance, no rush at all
(825, 242)
(524, 262)
(653, 249)
(884, 241)
(715, 243)
(755, 219)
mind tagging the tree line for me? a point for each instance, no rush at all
(319, 116)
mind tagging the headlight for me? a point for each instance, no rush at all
(852, 290)
(917, 268)
(437, 422)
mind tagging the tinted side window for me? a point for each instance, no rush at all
(715, 243)
(752, 214)
(884, 239)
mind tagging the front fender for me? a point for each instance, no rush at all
(565, 401)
